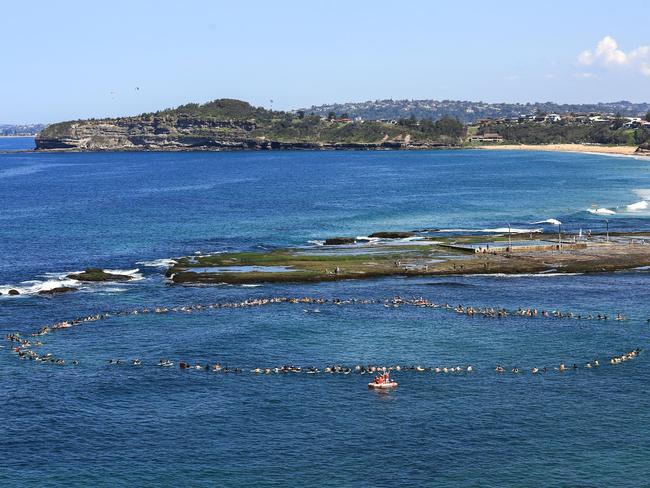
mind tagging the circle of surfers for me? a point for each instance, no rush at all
(382, 382)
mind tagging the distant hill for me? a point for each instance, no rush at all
(20, 130)
(466, 111)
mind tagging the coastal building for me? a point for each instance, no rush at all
(489, 138)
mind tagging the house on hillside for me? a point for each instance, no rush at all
(486, 138)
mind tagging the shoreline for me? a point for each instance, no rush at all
(620, 151)
(573, 148)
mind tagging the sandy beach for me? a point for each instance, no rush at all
(582, 148)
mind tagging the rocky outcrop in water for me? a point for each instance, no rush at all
(392, 235)
(58, 290)
(339, 241)
(97, 274)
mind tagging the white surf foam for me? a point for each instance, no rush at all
(411, 239)
(33, 287)
(524, 275)
(158, 263)
(496, 230)
(638, 206)
(601, 211)
(133, 273)
(112, 290)
(512, 230)
(455, 230)
(547, 221)
(316, 242)
(56, 280)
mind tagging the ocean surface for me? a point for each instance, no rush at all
(17, 143)
(121, 425)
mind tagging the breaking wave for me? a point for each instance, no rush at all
(34, 287)
(158, 263)
(513, 230)
(133, 273)
(495, 230)
(524, 275)
(601, 211)
(52, 281)
(636, 207)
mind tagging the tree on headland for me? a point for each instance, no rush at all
(618, 121)
(641, 136)
(331, 116)
(411, 122)
(647, 117)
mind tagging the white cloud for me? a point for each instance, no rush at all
(584, 74)
(512, 78)
(645, 69)
(586, 58)
(608, 54)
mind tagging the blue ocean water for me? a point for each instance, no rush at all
(110, 425)
(16, 143)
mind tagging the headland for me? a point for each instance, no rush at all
(228, 125)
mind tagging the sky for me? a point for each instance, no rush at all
(68, 59)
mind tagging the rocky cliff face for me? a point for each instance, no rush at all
(172, 133)
(149, 133)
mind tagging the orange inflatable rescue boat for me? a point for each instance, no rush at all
(382, 382)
